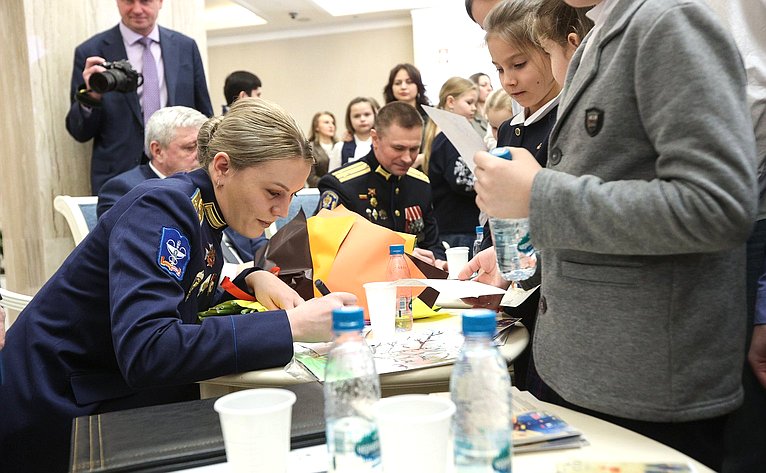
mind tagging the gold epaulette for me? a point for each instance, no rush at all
(412, 172)
(350, 172)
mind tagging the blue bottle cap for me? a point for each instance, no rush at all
(504, 153)
(479, 321)
(479, 229)
(396, 250)
(347, 318)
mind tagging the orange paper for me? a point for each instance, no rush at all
(348, 250)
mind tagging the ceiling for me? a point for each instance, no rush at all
(237, 18)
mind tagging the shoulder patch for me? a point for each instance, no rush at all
(173, 252)
(412, 172)
(328, 200)
(346, 173)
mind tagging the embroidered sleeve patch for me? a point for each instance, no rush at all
(173, 252)
(329, 200)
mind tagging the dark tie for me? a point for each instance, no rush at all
(151, 94)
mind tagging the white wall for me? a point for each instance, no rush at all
(447, 43)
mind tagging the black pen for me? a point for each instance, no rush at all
(323, 289)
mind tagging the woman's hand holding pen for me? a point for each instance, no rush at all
(312, 320)
(503, 187)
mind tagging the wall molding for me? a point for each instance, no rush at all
(319, 30)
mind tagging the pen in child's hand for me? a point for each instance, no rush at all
(323, 289)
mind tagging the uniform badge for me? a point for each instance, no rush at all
(210, 255)
(413, 217)
(382, 214)
(373, 202)
(204, 285)
(594, 120)
(329, 200)
(196, 201)
(213, 282)
(173, 252)
(195, 283)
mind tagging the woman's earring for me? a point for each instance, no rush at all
(218, 183)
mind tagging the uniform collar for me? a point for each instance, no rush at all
(205, 201)
(372, 161)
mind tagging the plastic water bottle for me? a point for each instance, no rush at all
(516, 257)
(478, 241)
(480, 387)
(398, 269)
(351, 387)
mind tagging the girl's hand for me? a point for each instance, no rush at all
(270, 291)
(485, 265)
(503, 187)
(312, 320)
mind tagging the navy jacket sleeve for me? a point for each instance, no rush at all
(155, 335)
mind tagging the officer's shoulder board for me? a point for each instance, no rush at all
(412, 172)
(351, 171)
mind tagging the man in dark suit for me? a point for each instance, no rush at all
(115, 121)
(170, 143)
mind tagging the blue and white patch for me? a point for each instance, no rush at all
(173, 252)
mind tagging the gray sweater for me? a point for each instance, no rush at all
(641, 218)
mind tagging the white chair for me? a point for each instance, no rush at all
(79, 212)
(306, 199)
(13, 301)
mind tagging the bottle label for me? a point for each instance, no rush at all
(525, 244)
(502, 462)
(368, 447)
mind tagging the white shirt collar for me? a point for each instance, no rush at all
(131, 37)
(518, 119)
(159, 174)
(599, 15)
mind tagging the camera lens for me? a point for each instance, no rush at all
(103, 82)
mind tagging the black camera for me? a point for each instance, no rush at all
(118, 76)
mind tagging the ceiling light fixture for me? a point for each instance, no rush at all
(357, 7)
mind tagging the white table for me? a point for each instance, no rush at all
(424, 380)
(608, 442)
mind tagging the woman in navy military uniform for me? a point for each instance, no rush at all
(116, 327)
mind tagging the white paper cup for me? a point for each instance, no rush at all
(414, 432)
(256, 429)
(457, 258)
(381, 305)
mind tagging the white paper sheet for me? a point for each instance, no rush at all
(460, 133)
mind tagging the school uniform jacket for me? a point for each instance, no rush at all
(402, 204)
(116, 326)
(452, 188)
(642, 216)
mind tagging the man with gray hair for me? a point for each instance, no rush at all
(170, 141)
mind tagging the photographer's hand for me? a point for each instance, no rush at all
(92, 65)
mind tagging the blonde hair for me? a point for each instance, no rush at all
(453, 87)
(254, 131)
(498, 100)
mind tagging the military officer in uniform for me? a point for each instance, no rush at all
(116, 326)
(384, 188)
